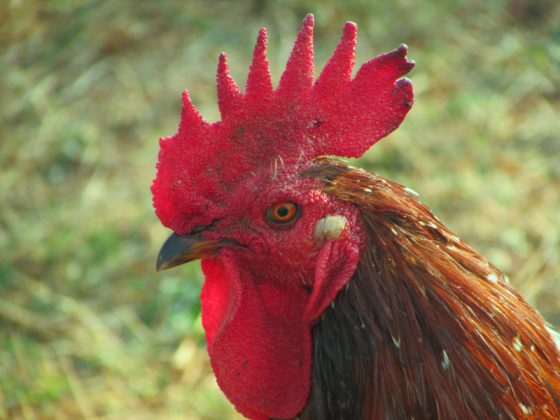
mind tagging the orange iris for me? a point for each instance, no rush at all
(282, 212)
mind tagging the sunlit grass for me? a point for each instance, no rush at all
(87, 328)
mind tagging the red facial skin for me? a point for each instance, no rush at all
(259, 300)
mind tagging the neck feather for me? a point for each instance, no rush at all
(426, 328)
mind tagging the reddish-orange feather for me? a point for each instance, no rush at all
(433, 293)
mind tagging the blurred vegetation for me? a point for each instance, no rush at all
(87, 328)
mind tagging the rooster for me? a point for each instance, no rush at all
(330, 292)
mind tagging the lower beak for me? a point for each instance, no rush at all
(180, 249)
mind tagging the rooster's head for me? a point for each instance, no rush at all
(276, 248)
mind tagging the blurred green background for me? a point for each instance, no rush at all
(88, 329)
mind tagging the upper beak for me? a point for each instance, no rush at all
(180, 249)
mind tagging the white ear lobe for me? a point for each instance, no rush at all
(330, 227)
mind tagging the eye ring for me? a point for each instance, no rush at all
(282, 213)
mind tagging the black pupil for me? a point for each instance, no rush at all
(282, 211)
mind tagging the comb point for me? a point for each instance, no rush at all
(259, 84)
(190, 117)
(338, 70)
(228, 93)
(297, 78)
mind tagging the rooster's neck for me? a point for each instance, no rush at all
(426, 328)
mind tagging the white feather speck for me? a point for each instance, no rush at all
(555, 336)
(517, 344)
(525, 409)
(492, 277)
(445, 360)
(411, 192)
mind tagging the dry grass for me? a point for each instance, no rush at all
(87, 328)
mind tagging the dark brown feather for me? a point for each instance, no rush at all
(427, 328)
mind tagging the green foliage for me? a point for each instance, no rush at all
(87, 328)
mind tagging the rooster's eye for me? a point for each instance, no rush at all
(282, 212)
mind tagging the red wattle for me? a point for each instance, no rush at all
(258, 342)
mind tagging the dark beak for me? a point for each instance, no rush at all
(180, 249)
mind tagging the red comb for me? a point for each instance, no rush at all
(300, 120)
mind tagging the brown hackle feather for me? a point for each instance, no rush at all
(427, 328)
